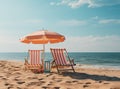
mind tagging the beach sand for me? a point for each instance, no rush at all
(13, 76)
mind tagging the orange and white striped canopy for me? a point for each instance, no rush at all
(43, 37)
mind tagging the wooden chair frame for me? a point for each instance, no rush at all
(62, 53)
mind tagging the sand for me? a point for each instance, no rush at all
(13, 76)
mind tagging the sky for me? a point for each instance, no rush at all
(88, 25)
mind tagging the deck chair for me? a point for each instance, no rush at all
(34, 61)
(61, 60)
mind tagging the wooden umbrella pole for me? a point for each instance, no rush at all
(43, 54)
(44, 51)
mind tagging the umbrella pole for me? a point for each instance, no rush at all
(43, 54)
(44, 51)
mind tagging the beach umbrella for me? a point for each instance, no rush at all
(43, 37)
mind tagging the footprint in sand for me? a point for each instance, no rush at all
(115, 88)
(30, 83)
(35, 83)
(32, 78)
(68, 82)
(4, 78)
(99, 81)
(42, 82)
(49, 84)
(21, 82)
(58, 80)
(75, 81)
(49, 75)
(56, 87)
(1, 76)
(45, 87)
(84, 86)
(41, 79)
(17, 79)
(9, 87)
(6, 84)
(88, 83)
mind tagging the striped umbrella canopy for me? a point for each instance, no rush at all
(43, 37)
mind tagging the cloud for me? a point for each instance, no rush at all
(108, 21)
(72, 22)
(72, 3)
(93, 43)
(97, 20)
(73, 44)
(93, 21)
(90, 3)
(89, 44)
(52, 3)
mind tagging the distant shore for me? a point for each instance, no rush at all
(13, 76)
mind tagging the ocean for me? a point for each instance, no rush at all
(109, 60)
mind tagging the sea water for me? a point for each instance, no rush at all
(85, 59)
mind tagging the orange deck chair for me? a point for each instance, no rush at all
(35, 60)
(61, 60)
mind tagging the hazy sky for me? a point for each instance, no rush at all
(88, 25)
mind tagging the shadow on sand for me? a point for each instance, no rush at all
(81, 76)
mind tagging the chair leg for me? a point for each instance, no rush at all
(58, 69)
(73, 68)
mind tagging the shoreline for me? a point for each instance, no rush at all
(86, 66)
(13, 75)
(104, 67)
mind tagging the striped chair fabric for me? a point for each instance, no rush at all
(35, 56)
(61, 58)
(35, 60)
